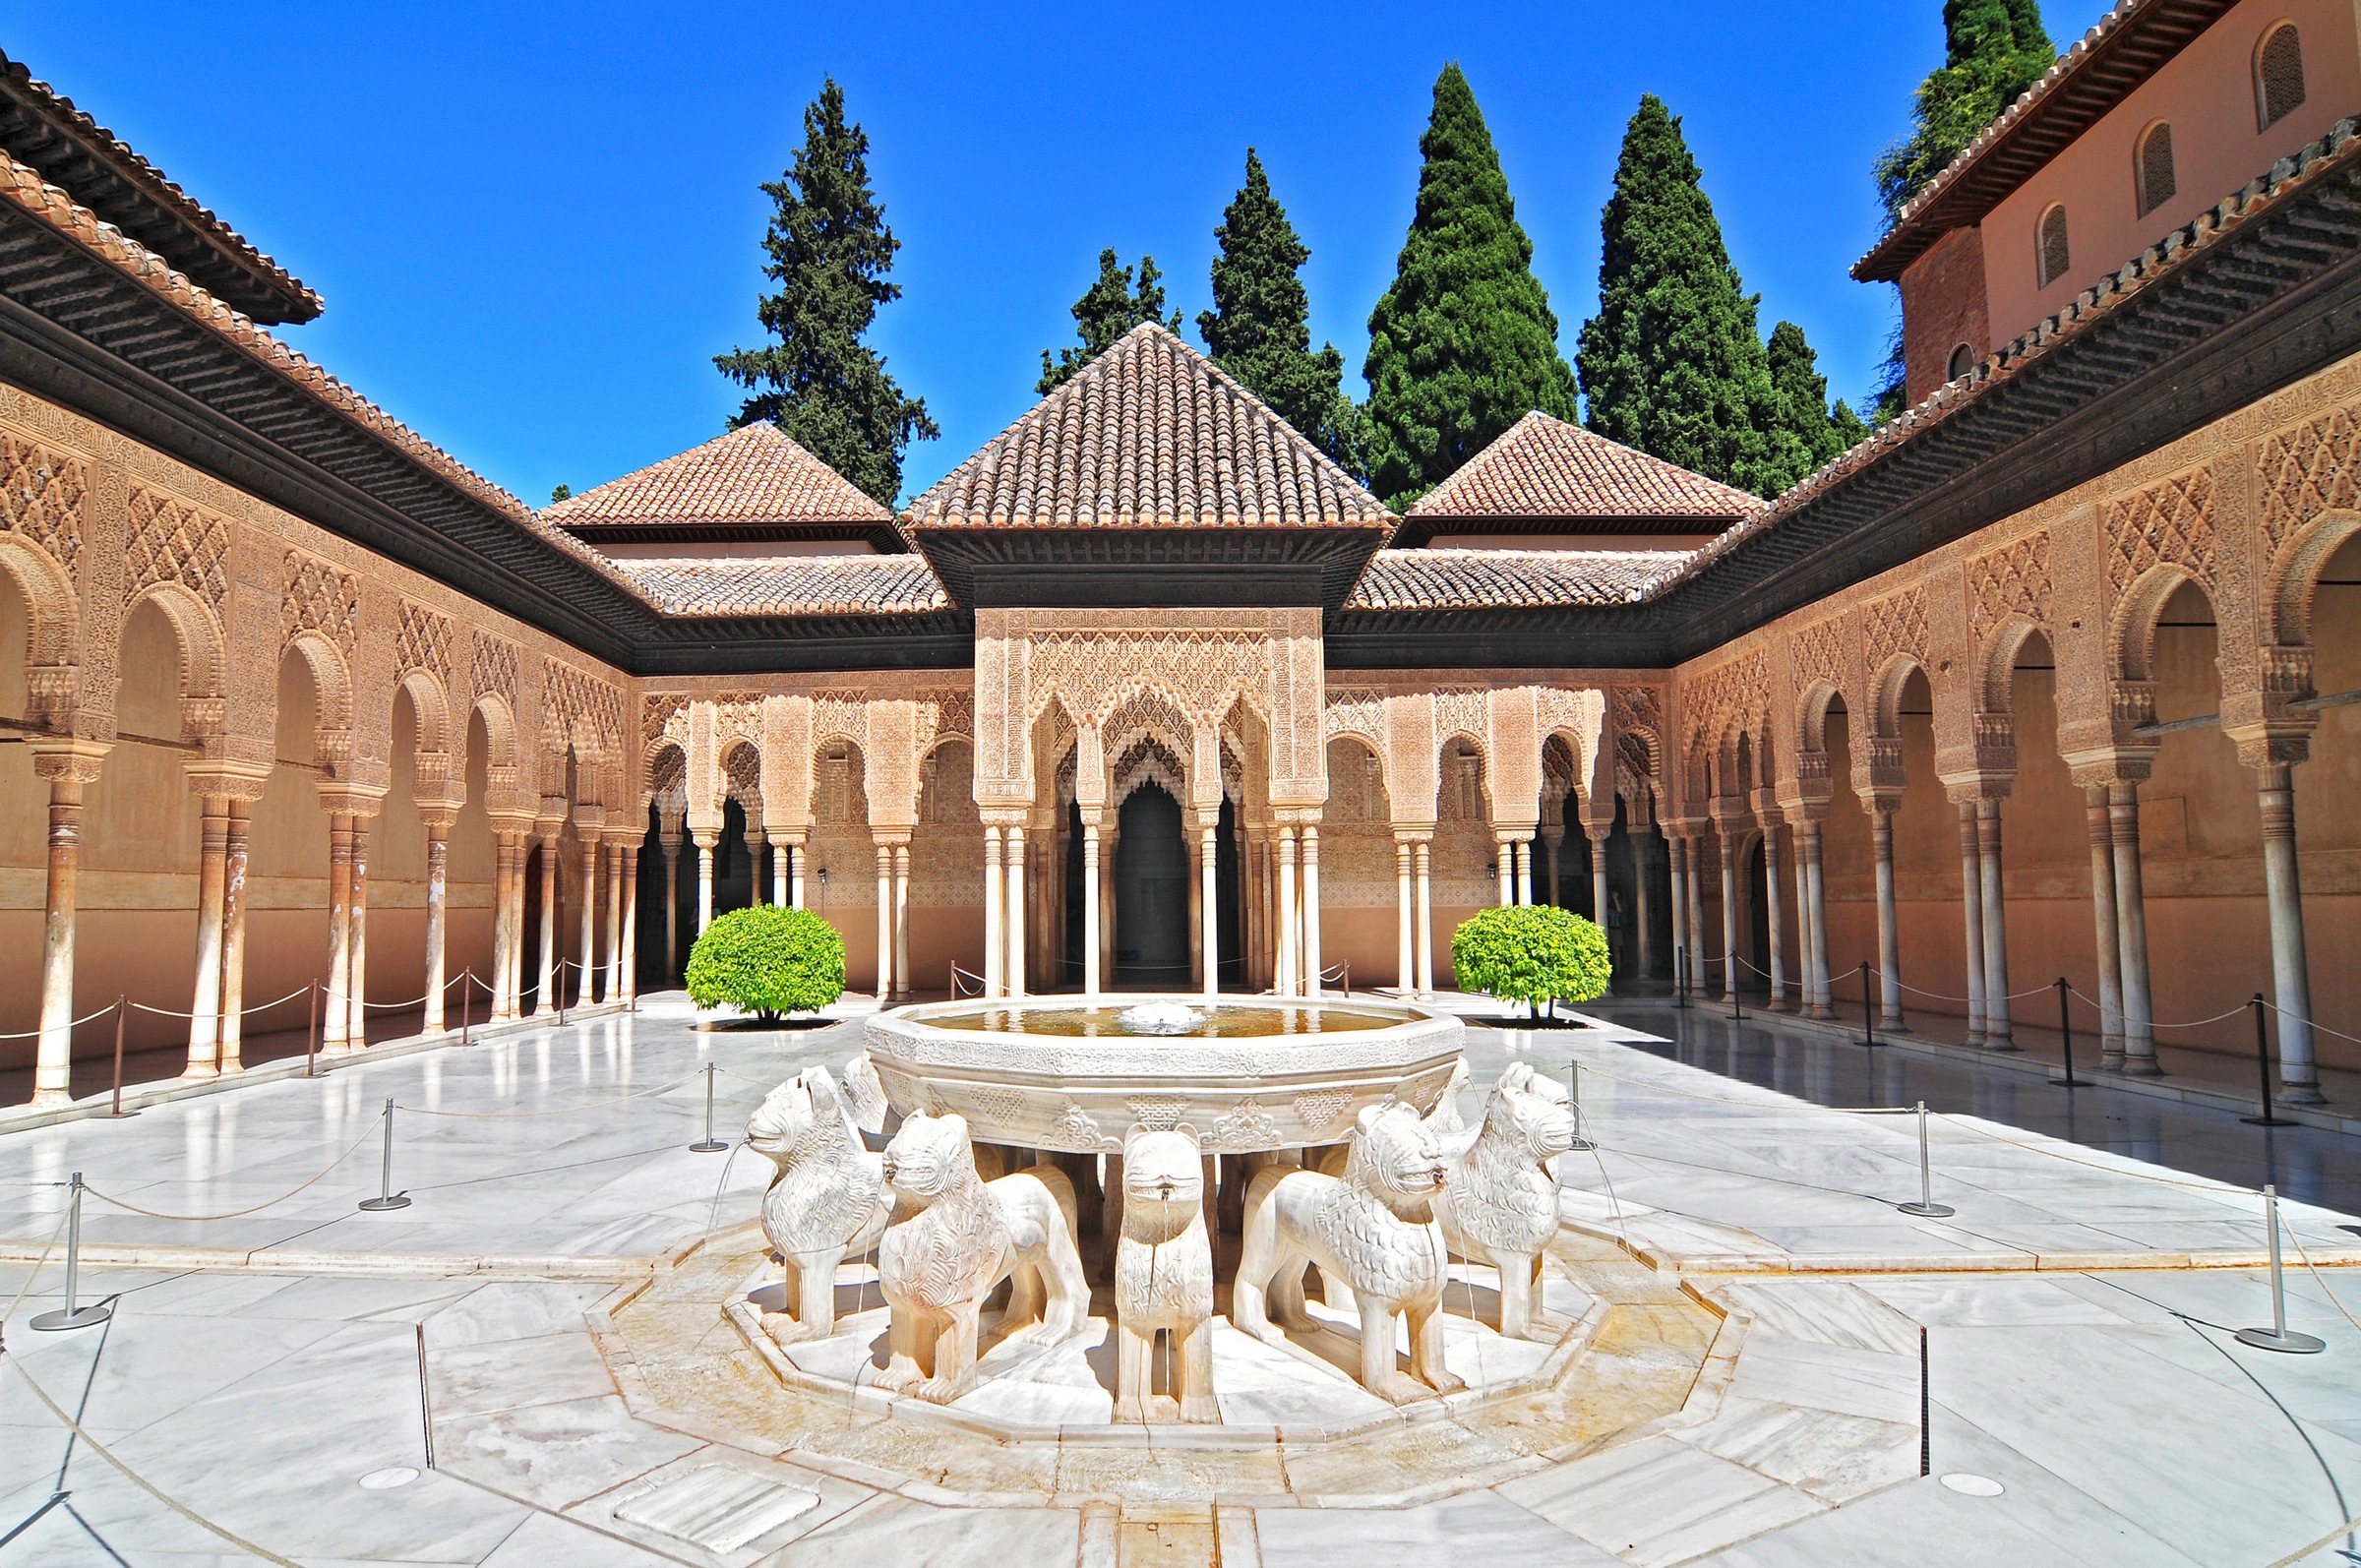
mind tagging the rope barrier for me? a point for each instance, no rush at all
(34, 1033)
(559, 1110)
(239, 1213)
(48, 1247)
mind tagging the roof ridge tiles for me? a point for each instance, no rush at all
(754, 474)
(1542, 466)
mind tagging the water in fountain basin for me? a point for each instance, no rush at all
(1227, 1020)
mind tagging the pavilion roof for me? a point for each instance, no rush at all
(755, 481)
(1545, 469)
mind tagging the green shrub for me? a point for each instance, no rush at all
(1531, 953)
(766, 961)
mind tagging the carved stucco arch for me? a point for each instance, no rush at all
(665, 772)
(2291, 583)
(55, 617)
(432, 704)
(1885, 693)
(1993, 689)
(195, 628)
(2132, 634)
(331, 687)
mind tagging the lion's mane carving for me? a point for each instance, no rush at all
(1499, 1203)
(826, 1202)
(1164, 1272)
(1373, 1228)
(956, 1236)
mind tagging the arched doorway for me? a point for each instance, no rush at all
(1151, 894)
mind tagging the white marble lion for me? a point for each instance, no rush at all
(1373, 1228)
(954, 1238)
(1164, 1272)
(1499, 1203)
(827, 1203)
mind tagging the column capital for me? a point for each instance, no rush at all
(221, 781)
(341, 799)
(2112, 765)
(889, 837)
(75, 761)
(2279, 743)
(1413, 832)
(1977, 785)
(437, 818)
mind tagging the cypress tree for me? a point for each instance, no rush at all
(1259, 328)
(1463, 344)
(1994, 49)
(1673, 362)
(1806, 432)
(1107, 310)
(829, 251)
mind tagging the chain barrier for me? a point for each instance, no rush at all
(238, 1214)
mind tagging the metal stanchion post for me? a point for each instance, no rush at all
(1868, 1010)
(1734, 1014)
(709, 1144)
(73, 1314)
(115, 1110)
(558, 984)
(1574, 1103)
(310, 1049)
(2066, 1033)
(466, 1005)
(2263, 1064)
(386, 1197)
(2277, 1337)
(1927, 1207)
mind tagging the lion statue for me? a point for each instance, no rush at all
(1499, 1203)
(1373, 1228)
(827, 1203)
(954, 1238)
(1164, 1272)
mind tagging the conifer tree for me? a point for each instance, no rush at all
(829, 251)
(1804, 432)
(1259, 328)
(1107, 310)
(1994, 49)
(1672, 364)
(1463, 344)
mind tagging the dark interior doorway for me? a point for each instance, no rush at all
(1151, 894)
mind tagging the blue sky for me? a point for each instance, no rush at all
(534, 225)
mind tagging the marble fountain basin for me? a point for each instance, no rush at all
(1255, 1074)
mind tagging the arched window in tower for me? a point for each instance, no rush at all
(2155, 167)
(2053, 259)
(2278, 75)
(1963, 360)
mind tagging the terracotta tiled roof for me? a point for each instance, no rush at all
(2177, 250)
(1151, 434)
(1497, 580)
(790, 585)
(41, 128)
(750, 476)
(2101, 68)
(1544, 467)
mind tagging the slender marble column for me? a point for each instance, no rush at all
(1643, 853)
(995, 902)
(901, 920)
(503, 924)
(1803, 928)
(2131, 928)
(782, 860)
(704, 843)
(1889, 936)
(1405, 920)
(1288, 917)
(885, 922)
(1505, 874)
(2105, 934)
(1814, 915)
(1211, 899)
(336, 1013)
(1090, 911)
(668, 850)
(1192, 851)
(631, 921)
(234, 936)
(205, 1003)
(547, 1006)
(588, 894)
(516, 892)
(1684, 959)
(2291, 976)
(610, 853)
(1696, 875)
(53, 1068)
(438, 885)
(1997, 1034)
(1308, 863)
(356, 960)
(1598, 840)
(1778, 966)
(1014, 856)
(797, 852)
(1522, 852)
(1547, 874)
(1972, 899)
(1422, 871)
(1730, 915)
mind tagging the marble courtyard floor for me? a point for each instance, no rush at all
(530, 1364)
